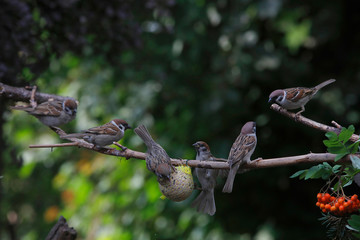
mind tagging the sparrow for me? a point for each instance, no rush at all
(293, 98)
(52, 113)
(157, 160)
(240, 153)
(205, 201)
(103, 135)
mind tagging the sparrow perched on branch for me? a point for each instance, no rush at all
(240, 152)
(157, 160)
(205, 201)
(293, 98)
(103, 135)
(52, 113)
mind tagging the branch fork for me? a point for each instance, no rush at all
(23, 94)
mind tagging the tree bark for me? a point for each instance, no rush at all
(61, 231)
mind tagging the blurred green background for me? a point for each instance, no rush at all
(189, 71)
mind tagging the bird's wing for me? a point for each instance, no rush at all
(107, 129)
(50, 108)
(296, 94)
(241, 147)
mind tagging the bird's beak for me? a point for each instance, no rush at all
(195, 145)
(271, 100)
(127, 127)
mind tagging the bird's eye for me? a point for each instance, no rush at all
(280, 98)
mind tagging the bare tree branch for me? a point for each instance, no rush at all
(22, 94)
(220, 163)
(311, 123)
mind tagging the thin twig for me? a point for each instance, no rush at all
(55, 145)
(310, 123)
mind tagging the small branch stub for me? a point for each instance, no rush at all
(61, 231)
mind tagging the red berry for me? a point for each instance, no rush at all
(327, 196)
(333, 209)
(317, 204)
(341, 208)
(319, 195)
(327, 206)
(354, 197)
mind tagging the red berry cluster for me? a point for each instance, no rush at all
(338, 206)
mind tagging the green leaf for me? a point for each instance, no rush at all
(355, 160)
(353, 148)
(345, 134)
(331, 136)
(354, 222)
(326, 176)
(336, 168)
(340, 156)
(338, 150)
(298, 173)
(323, 171)
(348, 182)
(327, 165)
(329, 143)
(314, 172)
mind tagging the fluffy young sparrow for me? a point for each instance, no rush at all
(293, 98)
(52, 113)
(103, 135)
(240, 152)
(157, 160)
(205, 201)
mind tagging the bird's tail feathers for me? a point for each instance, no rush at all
(323, 84)
(229, 181)
(205, 202)
(144, 134)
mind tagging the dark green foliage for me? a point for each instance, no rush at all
(323, 171)
(354, 223)
(201, 70)
(337, 227)
(340, 145)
